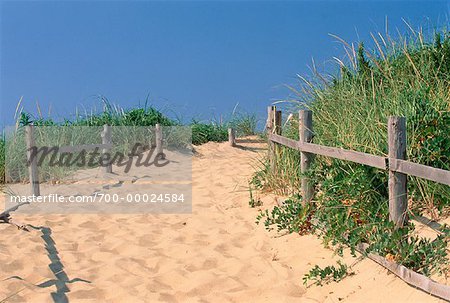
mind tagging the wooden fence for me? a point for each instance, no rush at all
(106, 147)
(396, 164)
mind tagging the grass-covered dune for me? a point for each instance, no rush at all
(202, 131)
(407, 77)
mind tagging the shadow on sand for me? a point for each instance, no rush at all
(61, 279)
(249, 148)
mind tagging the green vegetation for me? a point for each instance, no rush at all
(243, 123)
(326, 274)
(291, 217)
(343, 226)
(254, 202)
(202, 132)
(205, 132)
(406, 77)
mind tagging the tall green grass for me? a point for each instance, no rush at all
(245, 124)
(202, 131)
(407, 76)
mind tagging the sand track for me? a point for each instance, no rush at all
(215, 254)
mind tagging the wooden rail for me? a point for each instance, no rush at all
(419, 170)
(334, 152)
(395, 163)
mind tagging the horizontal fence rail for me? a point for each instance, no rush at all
(419, 170)
(396, 163)
(334, 152)
(402, 166)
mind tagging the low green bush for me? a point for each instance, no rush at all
(202, 133)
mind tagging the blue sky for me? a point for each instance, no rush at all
(195, 58)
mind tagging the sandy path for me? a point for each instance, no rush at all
(215, 254)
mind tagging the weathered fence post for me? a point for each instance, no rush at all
(270, 117)
(106, 139)
(398, 199)
(277, 130)
(278, 122)
(32, 160)
(232, 137)
(269, 128)
(159, 141)
(306, 135)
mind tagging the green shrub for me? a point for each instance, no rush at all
(326, 274)
(292, 216)
(132, 117)
(202, 133)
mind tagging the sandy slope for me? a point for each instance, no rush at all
(215, 254)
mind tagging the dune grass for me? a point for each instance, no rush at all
(407, 76)
(202, 131)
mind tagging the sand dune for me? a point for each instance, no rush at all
(215, 254)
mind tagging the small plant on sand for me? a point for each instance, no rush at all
(253, 202)
(327, 274)
(292, 217)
